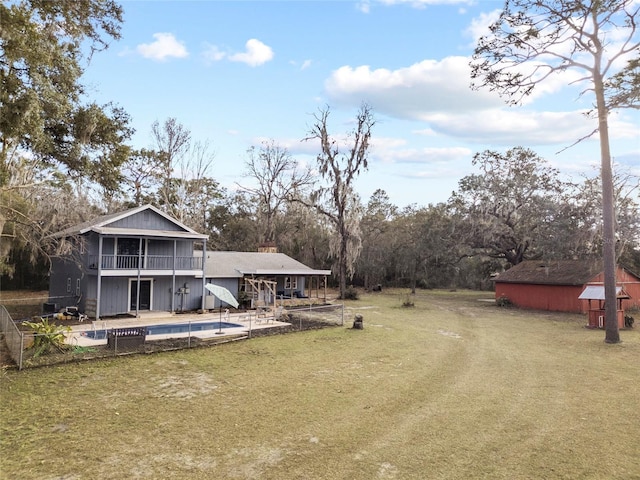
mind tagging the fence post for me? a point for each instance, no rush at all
(21, 350)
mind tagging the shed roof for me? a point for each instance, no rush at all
(556, 272)
(239, 264)
(596, 292)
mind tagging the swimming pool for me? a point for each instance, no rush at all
(168, 329)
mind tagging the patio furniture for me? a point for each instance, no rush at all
(131, 337)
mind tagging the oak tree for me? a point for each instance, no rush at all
(46, 129)
(506, 206)
(278, 177)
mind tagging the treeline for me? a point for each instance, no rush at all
(516, 207)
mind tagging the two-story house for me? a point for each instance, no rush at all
(128, 262)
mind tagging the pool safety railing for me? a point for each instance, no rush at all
(321, 314)
(13, 337)
(152, 338)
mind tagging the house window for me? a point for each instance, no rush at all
(290, 283)
(78, 287)
(68, 284)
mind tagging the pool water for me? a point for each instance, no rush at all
(168, 329)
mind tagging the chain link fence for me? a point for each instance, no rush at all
(109, 342)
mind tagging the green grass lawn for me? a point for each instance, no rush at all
(454, 388)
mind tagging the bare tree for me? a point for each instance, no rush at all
(339, 166)
(172, 140)
(186, 189)
(279, 177)
(533, 40)
(193, 189)
(140, 174)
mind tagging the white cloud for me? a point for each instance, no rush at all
(303, 66)
(411, 92)
(212, 53)
(257, 53)
(513, 126)
(364, 7)
(165, 46)
(480, 25)
(427, 155)
(427, 132)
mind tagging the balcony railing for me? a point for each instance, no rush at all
(149, 262)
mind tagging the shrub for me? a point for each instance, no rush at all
(47, 336)
(350, 294)
(628, 321)
(503, 301)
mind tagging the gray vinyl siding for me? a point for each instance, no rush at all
(115, 296)
(160, 247)
(62, 291)
(108, 246)
(162, 294)
(165, 247)
(192, 301)
(146, 220)
(185, 249)
(91, 243)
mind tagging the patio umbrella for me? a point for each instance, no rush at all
(223, 295)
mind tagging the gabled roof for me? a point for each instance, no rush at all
(596, 292)
(101, 225)
(553, 272)
(239, 264)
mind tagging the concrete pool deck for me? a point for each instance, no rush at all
(248, 321)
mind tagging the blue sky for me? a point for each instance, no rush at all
(237, 73)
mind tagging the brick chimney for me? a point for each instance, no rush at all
(268, 247)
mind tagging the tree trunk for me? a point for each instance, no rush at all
(612, 333)
(342, 261)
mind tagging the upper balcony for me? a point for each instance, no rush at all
(146, 262)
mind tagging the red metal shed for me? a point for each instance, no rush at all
(556, 285)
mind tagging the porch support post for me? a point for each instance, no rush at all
(325, 289)
(173, 278)
(138, 286)
(99, 279)
(204, 273)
